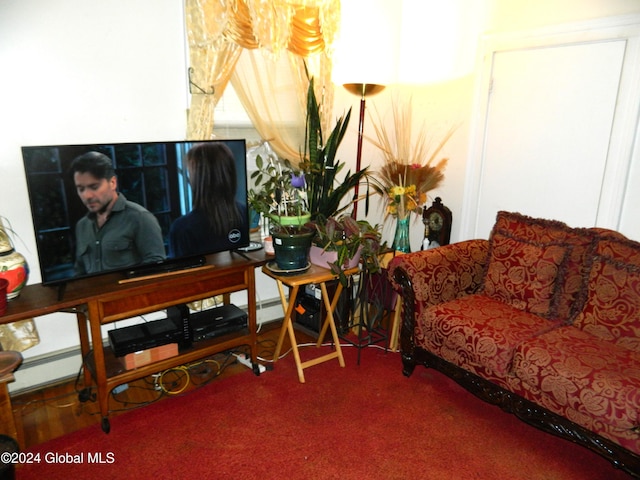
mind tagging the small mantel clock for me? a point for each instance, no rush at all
(437, 224)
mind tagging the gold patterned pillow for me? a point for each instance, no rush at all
(552, 232)
(617, 247)
(524, 274)
(612, 309)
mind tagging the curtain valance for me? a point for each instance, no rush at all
(219, 30)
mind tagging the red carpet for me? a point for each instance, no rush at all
(360, 422)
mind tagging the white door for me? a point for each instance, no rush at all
(544, 144)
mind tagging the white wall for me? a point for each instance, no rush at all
(80, 71)
(452, 103)
(515, 15)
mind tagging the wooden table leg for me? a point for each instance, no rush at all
(287, 327)
(100, 367)
(85, 343)
(329, 307)
(7, 420)
(329, 321)
(395, 326)
(296, 352)
(287, 309)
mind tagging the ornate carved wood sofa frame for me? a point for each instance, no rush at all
(542, 320)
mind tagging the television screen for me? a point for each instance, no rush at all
(115, 207)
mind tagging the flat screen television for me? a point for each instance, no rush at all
(153, 175)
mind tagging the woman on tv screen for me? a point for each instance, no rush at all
(216, 219)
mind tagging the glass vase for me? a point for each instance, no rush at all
(401, 240)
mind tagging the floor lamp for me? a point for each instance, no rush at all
(362, 89)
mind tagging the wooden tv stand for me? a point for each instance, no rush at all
(105, 299)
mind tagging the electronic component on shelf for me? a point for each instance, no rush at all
(181, 327)
(179, 315)
(143, 336)
(151, 355)
(217, 321)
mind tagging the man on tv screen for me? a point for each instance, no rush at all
(115, 233)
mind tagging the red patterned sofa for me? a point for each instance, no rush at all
(541, 319)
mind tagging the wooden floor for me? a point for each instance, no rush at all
(63, 408)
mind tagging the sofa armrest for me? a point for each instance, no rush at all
(429, 277)
(440, 274)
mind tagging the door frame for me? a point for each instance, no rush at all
(623, 149)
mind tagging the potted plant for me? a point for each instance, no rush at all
(326, 188)
(281, 197)
(281, 200)
(342, 242)
(289, 196)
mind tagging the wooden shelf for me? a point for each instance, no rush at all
(117, 374)
(104, 299)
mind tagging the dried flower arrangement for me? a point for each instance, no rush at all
(409, 171)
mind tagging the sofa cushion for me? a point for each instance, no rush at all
(612, 309)
(523, 274)
(544, 231)
(616, 246)
(477, 329)
(585, 378)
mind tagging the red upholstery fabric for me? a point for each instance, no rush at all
(544, 231)
(582, 361)
(590, 381)
(444, 273)
(523, 274)
(617, 247)
(479, 330)
(612, 309)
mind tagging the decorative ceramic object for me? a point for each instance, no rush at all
(291, 220)
(324, 258)
(13, 266)
(292, 249)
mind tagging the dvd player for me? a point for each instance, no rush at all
(216, 322)
(143, 336)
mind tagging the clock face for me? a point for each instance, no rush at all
(436, 222)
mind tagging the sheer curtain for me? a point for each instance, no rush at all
(265, 32)
(212, 58)
(273, 91)
(262, 46)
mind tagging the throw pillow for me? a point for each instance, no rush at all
(617, 247)
(612, 309)
(530, 229)
(552, 232)
(524, 274)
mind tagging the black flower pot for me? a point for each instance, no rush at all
(292, 249)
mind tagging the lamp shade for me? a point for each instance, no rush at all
(406, 41)
(367, 42)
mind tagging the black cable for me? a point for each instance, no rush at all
(85, 394)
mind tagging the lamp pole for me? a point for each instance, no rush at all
(362, 89)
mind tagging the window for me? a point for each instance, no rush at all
(231, 120)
